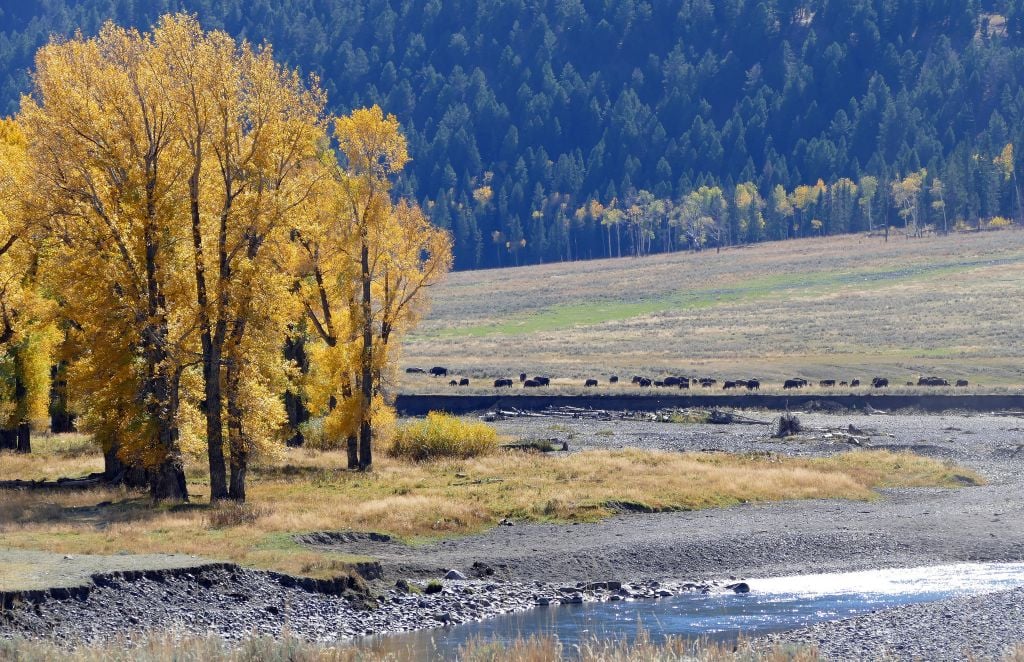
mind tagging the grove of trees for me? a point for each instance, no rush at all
(520, 114)
(177, 207)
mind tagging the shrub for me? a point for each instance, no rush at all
(433, 586)
(444, 436)
(999, 222)
(225, 515)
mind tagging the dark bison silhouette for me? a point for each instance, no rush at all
(438, 371)
(644, 382)
(637, 379)
(684, 383)
(962, 382)
(464, 381)
(590, 383)
(932, 381)
(659, 384)
(614, 379)
(531, 383)
(522, 377)
(753, 385)
(854, 382)
(879, 382)
(728, 385)
(794, 383)
(502, 383)
(543, 381)
(827, 383)
(707, 382)
(415, 371)
(453, 383)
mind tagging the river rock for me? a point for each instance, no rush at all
(455, 574)
(741, 587)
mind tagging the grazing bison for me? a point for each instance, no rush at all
(932, 381)
(707, 382)
(741, 383)
(590, 383)
(794, 383)
(531, 383)
(879, 382)
(659, 384)
(684, 383)
(522, 377)
(637, 379)
(644, 382)
(464, 381)
(961, 382)
(827, 383)
(415, 371)
(502, 383)
(753, 385)
(844, 384)
(854, 382)
(614, 379)
(543, 381)
(672, 381)
(438, 371)
(453, 383)
(728, 385)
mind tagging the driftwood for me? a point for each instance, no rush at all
(787, 425)
(85, 483)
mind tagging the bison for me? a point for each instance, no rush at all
(728, 385)
(827, 383)
(753, 385)
(684, 383)
(637, 379)
(438, 371)
(614, 379)
(961, 382)
(502, 383)
(879, 382)
(672, 381)
(453, 383)
(531, 383)
(794, 383)
(522, 377)
(543, 381)
(932, 381)
(854, 382)
(659, 384)
(644, 382)
(415, 371)
(707, 382)
(464, 381)
(590, 383)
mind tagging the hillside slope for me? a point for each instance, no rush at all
(520, 113)
(840, 308)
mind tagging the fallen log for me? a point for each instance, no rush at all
(84, 483)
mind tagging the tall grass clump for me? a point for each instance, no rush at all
(444, 436)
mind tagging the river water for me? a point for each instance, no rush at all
(773, 604)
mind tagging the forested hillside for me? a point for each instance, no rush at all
(568, 129)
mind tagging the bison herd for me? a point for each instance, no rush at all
(686, 382)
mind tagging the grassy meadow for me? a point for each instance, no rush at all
(304, 490)
(833, 308)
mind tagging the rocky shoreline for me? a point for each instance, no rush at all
(234, 602)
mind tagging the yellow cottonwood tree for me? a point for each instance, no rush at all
(28, 336)
(106, 177)
(366, 265)
(249, 132)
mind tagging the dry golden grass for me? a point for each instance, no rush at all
(54, 456)
(290, 649)
(835, 308)
(307, 490)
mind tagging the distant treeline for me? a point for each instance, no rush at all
(533, 126)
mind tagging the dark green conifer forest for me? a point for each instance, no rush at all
(549, 130)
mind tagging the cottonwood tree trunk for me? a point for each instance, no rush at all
(366, 381)
(236, 439)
